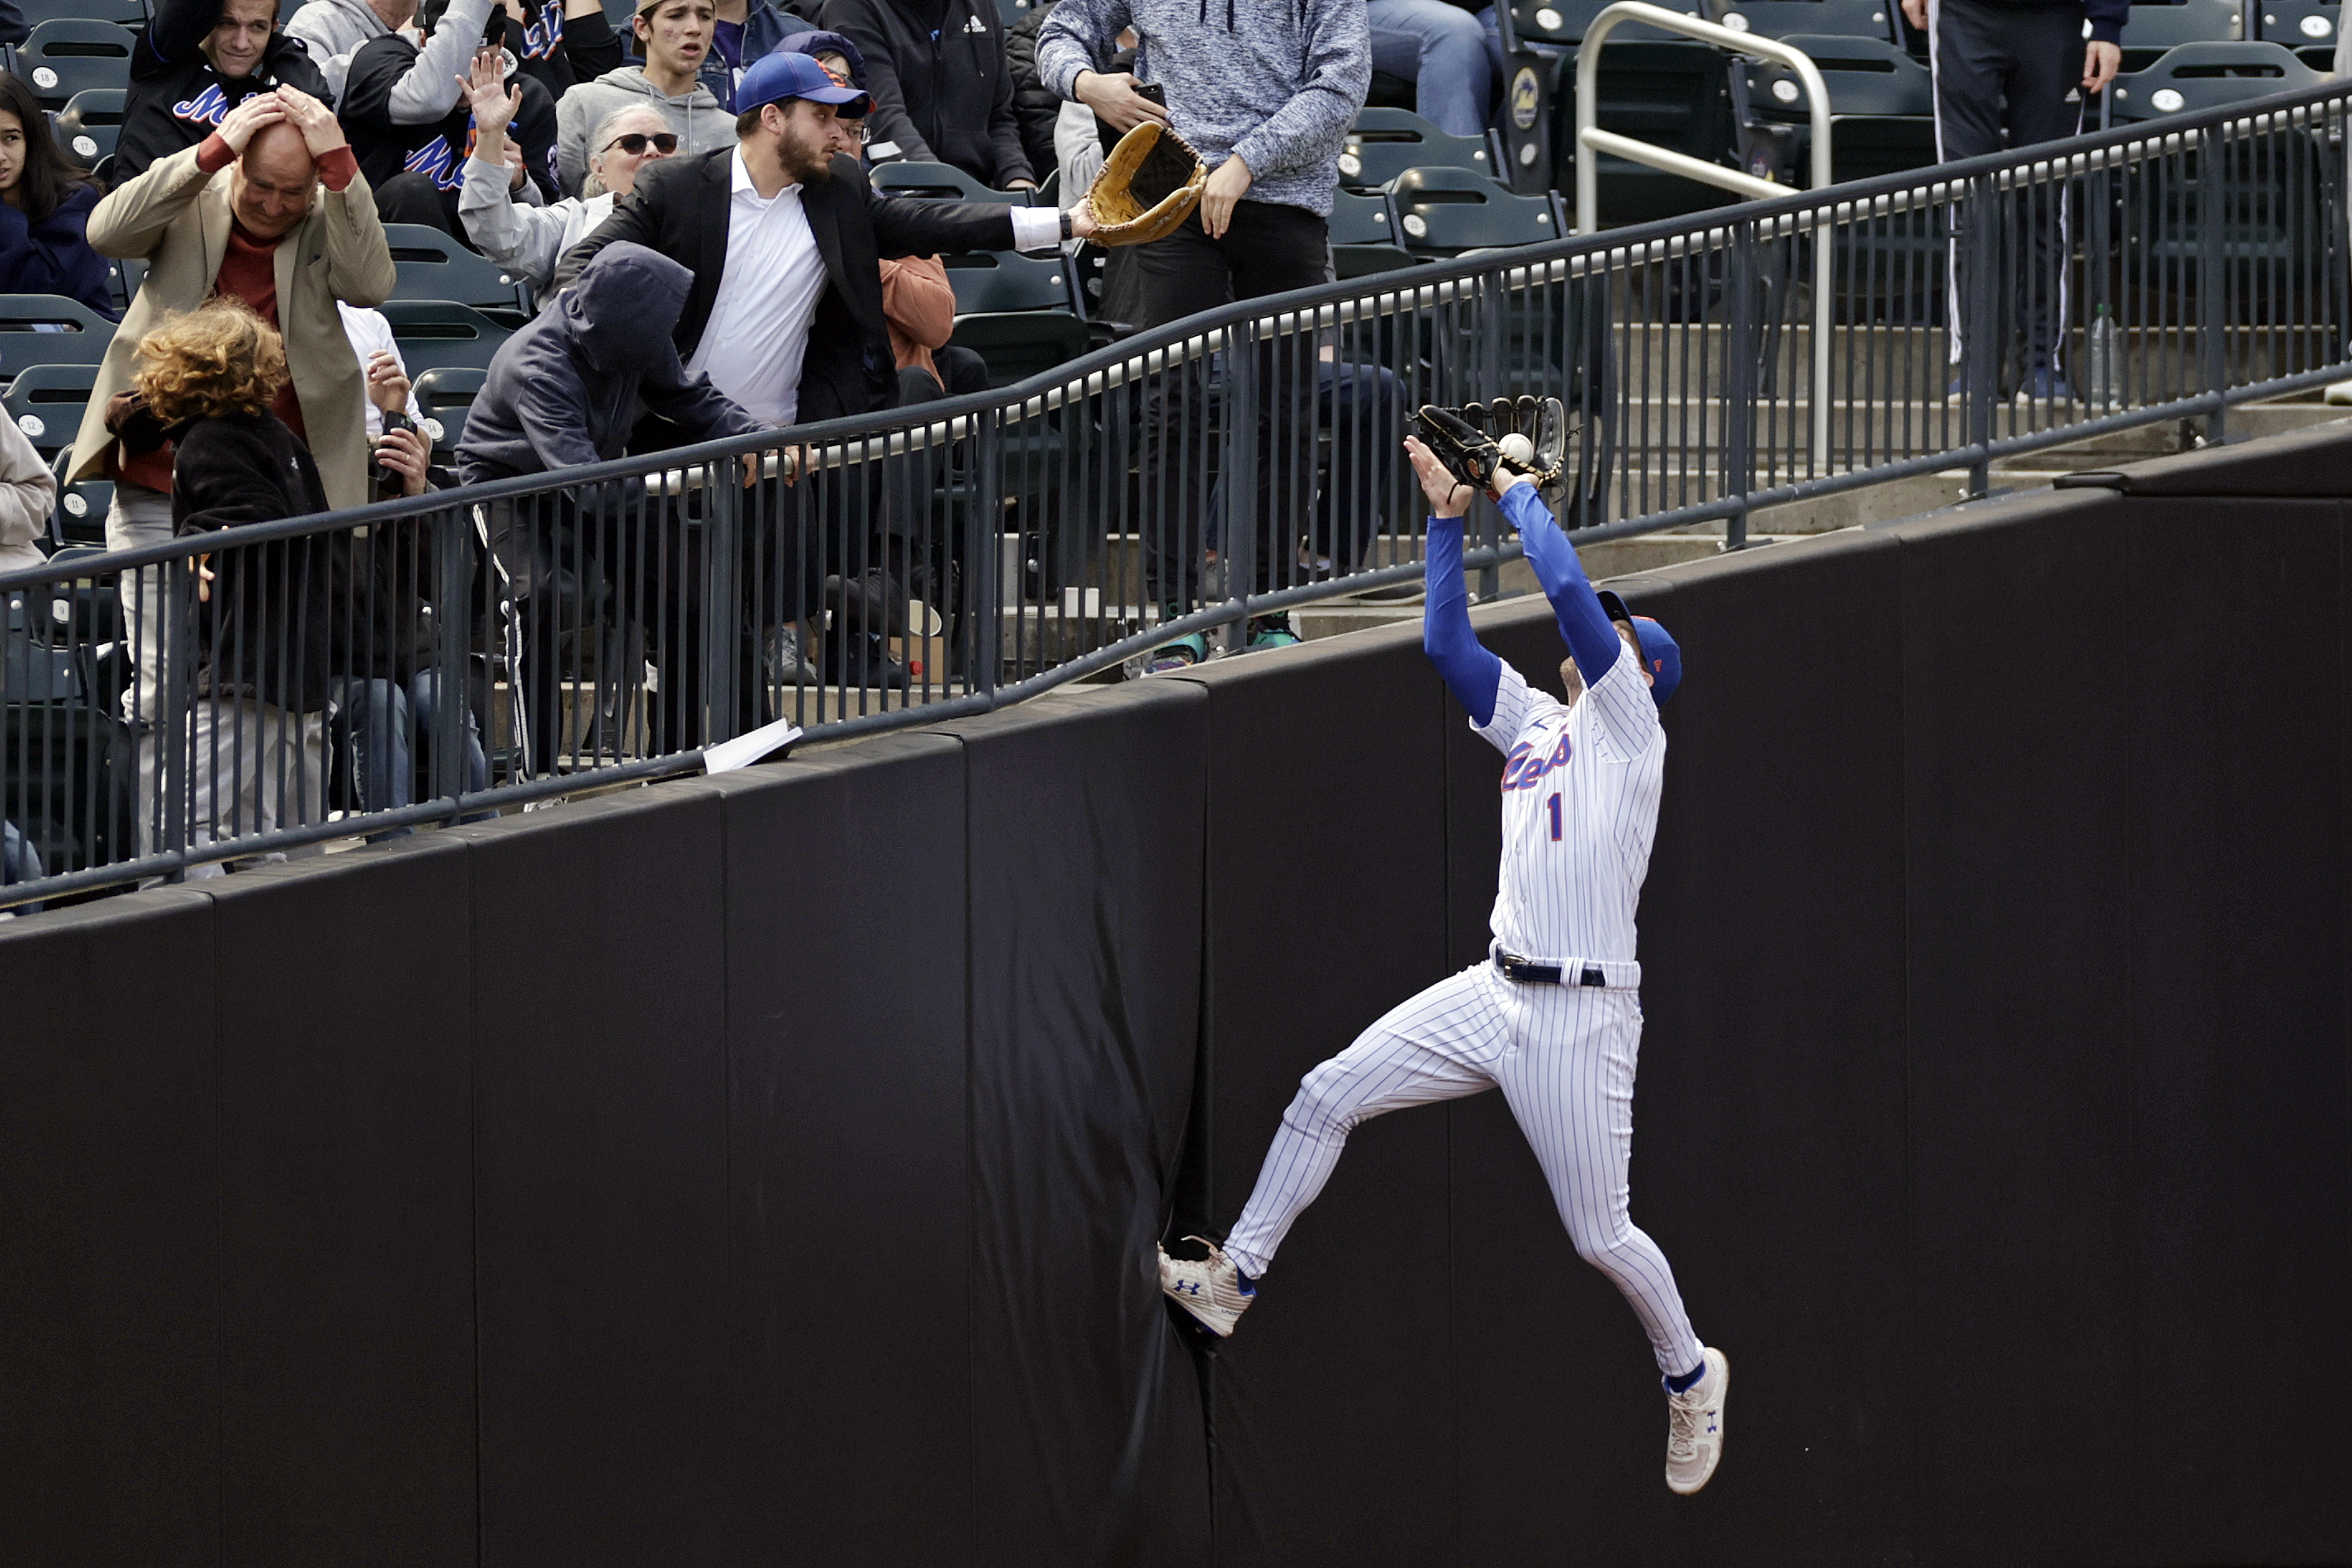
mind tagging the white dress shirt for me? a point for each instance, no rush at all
(758, 335)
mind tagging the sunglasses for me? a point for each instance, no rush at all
(634, 142)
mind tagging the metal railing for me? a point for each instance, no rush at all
(490, 647)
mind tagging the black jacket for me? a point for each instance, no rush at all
(680, 209)
(567, 389)
(176, 98)
(943, 97)
(269, 630)
(438, 150)
(1034, 105)
(560, 52)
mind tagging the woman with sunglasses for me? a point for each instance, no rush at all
(528, 241)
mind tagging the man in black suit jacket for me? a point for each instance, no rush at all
(784, 239)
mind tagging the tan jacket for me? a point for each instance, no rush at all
(177, 218)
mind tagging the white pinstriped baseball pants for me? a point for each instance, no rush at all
(1563, 1057)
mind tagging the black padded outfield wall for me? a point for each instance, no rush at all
(765, 1168)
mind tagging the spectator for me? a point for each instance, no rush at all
(528, 241)
(782, 233)
(45, 203)
(254, 746)
(211, 219)
(566, 390)
(561, 43)
(743, 31)
(1035, 106)
(942, 91)
(1078, 155)
(1442, 48)
(390, 689)
(675, 37)
(13, 30)
(28, 493)
(1266, 99)
(417, 165)
(195, 61)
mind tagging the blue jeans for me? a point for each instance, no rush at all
(1444, 52)
(385, 717)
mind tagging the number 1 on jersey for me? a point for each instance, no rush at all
(1553, 806)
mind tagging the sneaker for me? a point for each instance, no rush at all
(787, 665)
(2044, 382)
(1211, 1290)
(1177, 653)
(1271, 631)
(1694, 1426)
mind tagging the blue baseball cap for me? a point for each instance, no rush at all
(1660, 652)
(787, 73)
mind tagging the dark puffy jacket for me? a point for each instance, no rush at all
(53, 257)
(943, 96)
(568, 387)
(1035, 107)
(176, 98)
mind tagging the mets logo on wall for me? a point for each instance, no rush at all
(1526, 99)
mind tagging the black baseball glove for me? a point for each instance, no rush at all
(1476, 441)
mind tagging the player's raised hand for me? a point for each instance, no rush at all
(1448, 496)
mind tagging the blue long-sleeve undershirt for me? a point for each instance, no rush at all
(1471, 672)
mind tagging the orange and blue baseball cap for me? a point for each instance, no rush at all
(784, 74)
(1660, 652)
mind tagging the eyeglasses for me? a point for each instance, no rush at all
(634, 142)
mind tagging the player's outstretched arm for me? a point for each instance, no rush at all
(1582, 622)
(1470, 672)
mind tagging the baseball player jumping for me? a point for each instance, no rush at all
(1553, 1018)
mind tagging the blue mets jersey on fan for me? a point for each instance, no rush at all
(1580, 785)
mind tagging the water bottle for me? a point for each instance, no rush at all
(2103, 365)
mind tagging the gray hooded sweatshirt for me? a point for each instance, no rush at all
(1278, 81)
(568, 387)
(700, 123)
(335, 29)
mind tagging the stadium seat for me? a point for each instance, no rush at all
(45, 330)
(1673, 93)
(90, 124)
(130, 13)
(128, 274)
(2306, 27)
(940, 182)
(68, 55)
(47, 403)
(2154, 29)
(1007, 281)
(68, 780)
(2206, 76)
(1443, 212)
(1013, 10)
(1363, 234)
(444, 393)
(1385, 142)
(432, 266)
(1558, 22)
(1882, 108)
(1018, 344)
(80, 517)
(1819, 18)
(435, 332)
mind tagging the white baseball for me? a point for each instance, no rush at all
(1517, 448)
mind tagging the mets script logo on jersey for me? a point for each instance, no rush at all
(1524, 768)
(541, 38)
(438, 162)
(206, 109)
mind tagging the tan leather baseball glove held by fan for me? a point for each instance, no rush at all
(1149, 185)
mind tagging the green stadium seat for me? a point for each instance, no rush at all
(80, 517)
(433, 265)
(130, 13)
(46, 329)
(1364, 235)
(1018, 344)
(940, 182)
(1444, 212)
(2154, 29)
(1820, 19)
(46, 401)
(1882, 108)
(444, 393)
(1007, 281)
(90, 123)
(1385, 142)
(2306, 27)
(435, 332)
(66, 55)
(2206, 76)
(1558, 22)
(1015, 10)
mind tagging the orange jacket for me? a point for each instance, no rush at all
(919, 307)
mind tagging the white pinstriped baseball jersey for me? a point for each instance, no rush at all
(1581, 787)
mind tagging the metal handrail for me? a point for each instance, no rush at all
(1591, 141)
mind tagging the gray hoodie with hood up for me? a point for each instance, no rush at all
(569, 387)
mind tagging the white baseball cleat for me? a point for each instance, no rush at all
(1695, 1427)
(1211, 1290)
